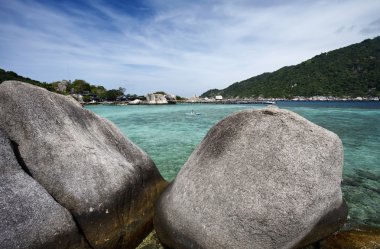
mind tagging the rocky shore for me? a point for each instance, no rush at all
(150, 99)
(264, 101)
(259, 179)
(273, 100)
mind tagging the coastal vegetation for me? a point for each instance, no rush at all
(88, 91)
(346, 72)
(10, 75)
(65, 87)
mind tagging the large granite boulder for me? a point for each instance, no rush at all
(259, 179)
(107, 183)
(30, 217)
(156, 99)
(171, 98)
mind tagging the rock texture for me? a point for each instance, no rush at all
(259, 179)
(107, 183)
(30, 217)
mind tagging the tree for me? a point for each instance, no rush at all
(80, 86)
(122, 90)
(111, 95)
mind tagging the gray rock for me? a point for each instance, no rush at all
(135, 102)
(155, 99)
(107, 183)
(259, 179)
(62, 86)
(171, 98)
(30, 217)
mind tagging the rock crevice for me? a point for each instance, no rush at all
(25, 168)
(22, 204)
(19, 158)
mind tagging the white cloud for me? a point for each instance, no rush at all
(184, 47)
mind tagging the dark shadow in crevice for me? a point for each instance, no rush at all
(80, 231)
(19, 158)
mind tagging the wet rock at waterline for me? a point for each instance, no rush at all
(151, 242)
(30, 217)
(259, 179)
(358, 238)
(84, 162)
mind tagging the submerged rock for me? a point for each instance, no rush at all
(107, 183)
(362, 192)
(259, 179)
(30, 217)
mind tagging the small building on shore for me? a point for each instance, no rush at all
(218, 97)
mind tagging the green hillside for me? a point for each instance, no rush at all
(350, 71)
(89, 91)
(9, 75)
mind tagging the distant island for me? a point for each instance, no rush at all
(348, 72)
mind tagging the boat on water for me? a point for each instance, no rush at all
(269, 102)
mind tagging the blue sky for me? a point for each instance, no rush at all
(182, 47)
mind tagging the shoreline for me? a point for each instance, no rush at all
(236, 101)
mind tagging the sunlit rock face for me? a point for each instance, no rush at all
(259, 179)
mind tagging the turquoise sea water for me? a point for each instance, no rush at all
(169, 135)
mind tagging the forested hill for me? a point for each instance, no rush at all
(350, 71)
(9, 75)
(78, 86)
